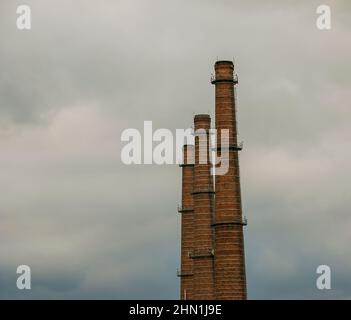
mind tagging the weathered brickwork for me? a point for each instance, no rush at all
(187, 224)
(212, 248)
(230, 279)
(202, 254)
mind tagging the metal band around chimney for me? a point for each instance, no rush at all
(186, 165)
(202, 191)
(201, 253)
(230, 222)
(214, 81)
(234, 80)
(233, 147)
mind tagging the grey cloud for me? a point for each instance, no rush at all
(90, 226)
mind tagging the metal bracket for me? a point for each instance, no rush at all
(183, 209)
(184, 274)
(233, 147)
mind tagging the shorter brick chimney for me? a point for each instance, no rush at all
(202, 254)
(187, 224)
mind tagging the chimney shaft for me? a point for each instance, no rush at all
(230, 278)
(187, 224)
(203, 213)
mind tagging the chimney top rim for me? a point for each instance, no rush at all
(202, 116)
(224, 62)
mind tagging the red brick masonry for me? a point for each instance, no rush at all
(212, 249)
(230, 279)
(187, 225)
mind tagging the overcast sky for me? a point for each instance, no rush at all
(90, 226)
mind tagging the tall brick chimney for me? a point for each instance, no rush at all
(187, 224)
(203, 193)
(229, 260)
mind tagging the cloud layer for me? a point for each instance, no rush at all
(91, 227)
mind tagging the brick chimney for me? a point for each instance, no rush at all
(203, 193)
(187, 224)
(229, 260)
